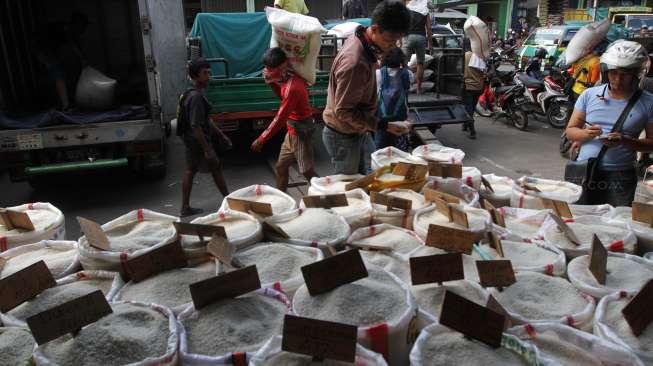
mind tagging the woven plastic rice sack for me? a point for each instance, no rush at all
(590, 210)
(539, 298)
(471, 178)
(610, 325)
(331, 184)
(48, 221)
(299, 36)
(231, 327)
(479, 221)
(95, 90)
(278, 264)
(470, 196)
(358, 212)
(614, 236)
(390, 155)
(169, 288)
(380, 305)
(316, 227)
(438, 345)
(521, 224)
(552, 189)
(16, 346)
(134, 333)
(643, 232)
(412, 63)
(436, 152)
(280, 201)
(397, 217)
(502, 187)
(584, 41)
(67, 288)
(430, 296)
(399, 240)
(623, 272)
(272, 355)
(535, 257)
(343, 30)
(130, 235)
(242, 230)
(392, 262)
(479, 35)
(562, 345)
(60, 256)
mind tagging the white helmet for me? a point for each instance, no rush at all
(622, 54)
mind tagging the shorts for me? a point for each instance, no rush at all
(415, 43)
(195, 154)
(297, 148)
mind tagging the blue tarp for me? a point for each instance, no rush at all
(241, 38)
(362, 21)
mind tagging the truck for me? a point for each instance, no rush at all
(139, 43)
(243, 106)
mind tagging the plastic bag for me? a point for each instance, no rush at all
(479, 35)
(610, 354)
(93, 258)
(390, 155)
(94, 90)
(49, 224)
(585, 40)
(441, 153)
(299, 36)
(331, 184)
(524, 197)
(606, 332)
(58, 268)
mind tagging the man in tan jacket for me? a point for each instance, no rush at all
(350, 112)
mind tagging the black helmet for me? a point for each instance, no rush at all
(540, 52)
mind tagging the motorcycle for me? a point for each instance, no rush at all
(545, 98)
(504, 101)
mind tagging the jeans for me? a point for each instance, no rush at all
(350, 154)
(470, 99)
(614, 187)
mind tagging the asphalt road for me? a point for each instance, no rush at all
(498, 149)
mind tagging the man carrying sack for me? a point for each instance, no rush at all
(606, 122)
(295, 112)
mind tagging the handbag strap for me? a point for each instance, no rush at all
(621, 121)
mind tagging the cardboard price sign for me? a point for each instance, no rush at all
(220, 248)
(487, 184)
(203, 231)
(326, 201)
(598, 260)
(495, 243)
(68, 317)
(495, 273)
(494, 305)
(361, 182)
(410, 171)
(372, 247)
(95, 236)
(495, 214)
(25, 284)
(161, 259)
(643, 213)
(225, 286)
(432, 195)
(459, 217)
(560, 208)
(390, 201)
(246, 206)
(443, 208)
(566, 229)
(269, 227)
(445, 170)
(329, 273)
(436, 268)
(16, 219)
(320, 339)
(450, 239)
(472, 320)
(638, 311)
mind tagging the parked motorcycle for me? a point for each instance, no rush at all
(504, 101)
(545, 98)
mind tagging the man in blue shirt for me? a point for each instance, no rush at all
(596, 113)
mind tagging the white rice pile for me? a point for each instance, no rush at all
(276, 261)
(16, 346)
(524, 254)
(396, 239)
(136, 235)
(57, 259)
(617, 323)
(315, 224)
(41, 219)
(584, 232)
(621, 274)
(563, 352)
(430, 296)
(452, 348)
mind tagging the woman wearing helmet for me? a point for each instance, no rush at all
(595, 114)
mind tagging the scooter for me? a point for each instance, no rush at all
(545, 98)
(504, 101)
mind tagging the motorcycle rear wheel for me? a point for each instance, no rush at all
(519, 119)
(558, 114)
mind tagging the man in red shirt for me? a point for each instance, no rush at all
(295, 112)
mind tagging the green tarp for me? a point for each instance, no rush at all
(241, 38)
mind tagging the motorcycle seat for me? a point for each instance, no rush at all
(530, 82)
(503, 89)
